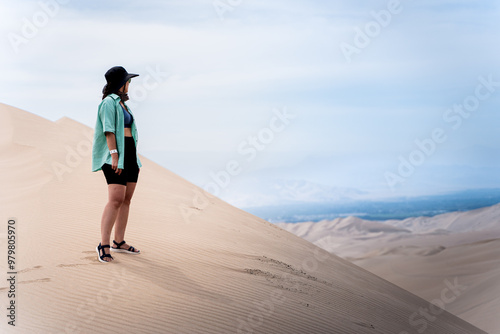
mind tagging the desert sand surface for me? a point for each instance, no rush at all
(204, 267)
(424, 255)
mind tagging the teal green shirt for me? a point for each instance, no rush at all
(110, 119)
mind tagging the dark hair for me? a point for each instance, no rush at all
(107, 91)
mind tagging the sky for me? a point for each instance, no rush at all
(389, 98)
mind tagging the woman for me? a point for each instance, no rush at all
(114, 152)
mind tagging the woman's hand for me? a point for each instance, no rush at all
(111, 141)
(114, 163)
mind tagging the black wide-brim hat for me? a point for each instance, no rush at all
(116, 77)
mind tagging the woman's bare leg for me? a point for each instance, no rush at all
(116, 197)
(122, 218)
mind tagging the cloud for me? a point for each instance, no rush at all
(226, 75)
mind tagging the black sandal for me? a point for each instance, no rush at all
(101, 257)
(130, 250)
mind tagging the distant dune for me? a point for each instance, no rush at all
(205, 267)
(422, 254)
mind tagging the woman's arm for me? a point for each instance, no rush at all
(111, 141)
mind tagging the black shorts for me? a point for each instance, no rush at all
(130, 172)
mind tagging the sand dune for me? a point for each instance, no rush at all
(473, 220)
(475, 266)
(205, 267)
(422, 254)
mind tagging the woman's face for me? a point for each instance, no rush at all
(124, 88)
